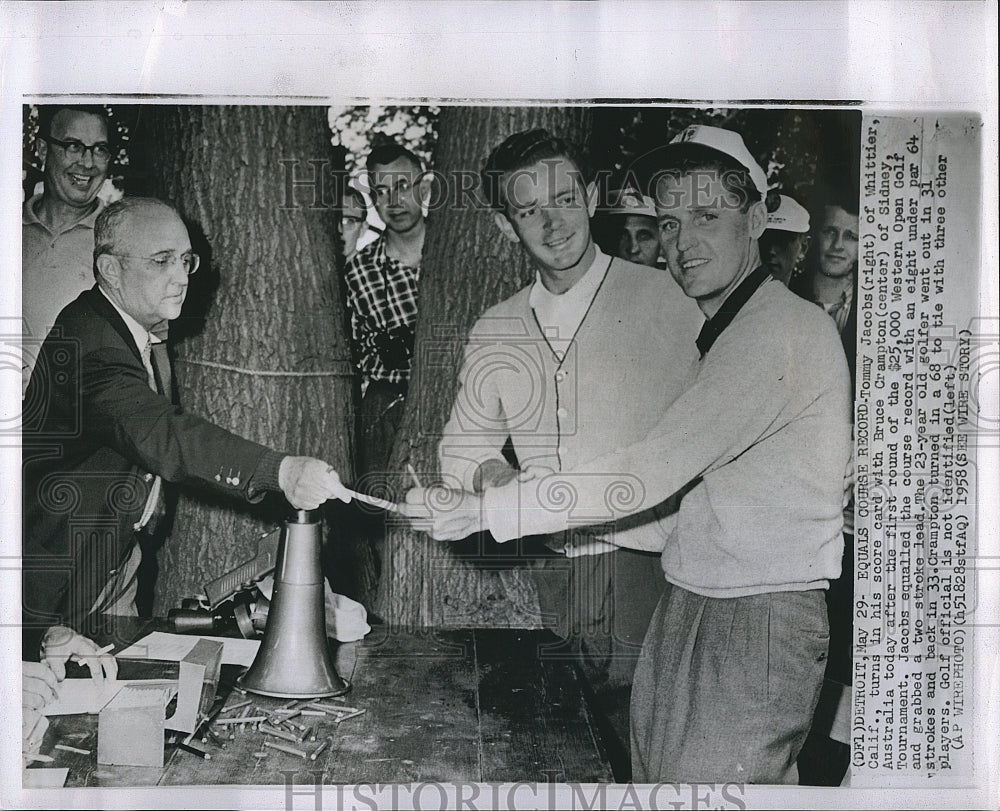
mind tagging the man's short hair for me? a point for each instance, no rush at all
(523, 149)
(686, 158)
(386, 152)
(107, 227)
(47, 112)
(839, 195)
(351, 193)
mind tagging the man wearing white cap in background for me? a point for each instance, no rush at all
(633, 221)
(785, 242)
(733, 660)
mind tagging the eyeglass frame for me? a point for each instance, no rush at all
(163, 265)
(74, 144)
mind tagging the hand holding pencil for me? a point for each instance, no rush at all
(347, 494)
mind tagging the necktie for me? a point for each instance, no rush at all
(154, 358)
(838, 310)
(161, 369)
(147, 361)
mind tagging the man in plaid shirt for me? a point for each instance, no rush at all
(382, 283)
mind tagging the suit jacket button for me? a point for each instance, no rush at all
(148, 477)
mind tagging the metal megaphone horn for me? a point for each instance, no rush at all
(294, 657)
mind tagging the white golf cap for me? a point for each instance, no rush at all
(789, 216)
(631, 201)
(727, 142)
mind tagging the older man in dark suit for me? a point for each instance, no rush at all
(100, 431)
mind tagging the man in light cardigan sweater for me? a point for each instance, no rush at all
(734, 657)
(576, 365)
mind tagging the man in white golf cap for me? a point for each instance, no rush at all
(633, 224)
(758, 443)
(785, 242)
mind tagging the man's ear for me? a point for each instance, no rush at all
(424, 192)
(424, 185)
(109, 268)
(505, 227)
(591, 191)
(803, 247)
(758, 219)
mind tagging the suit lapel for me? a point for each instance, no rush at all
(105, 309)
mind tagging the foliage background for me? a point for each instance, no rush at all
(800, 149)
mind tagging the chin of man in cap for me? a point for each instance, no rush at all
(101, 431)
(758, 443)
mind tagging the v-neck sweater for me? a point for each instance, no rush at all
(631, 356)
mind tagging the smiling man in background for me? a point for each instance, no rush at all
(57, 226)
(832, 281)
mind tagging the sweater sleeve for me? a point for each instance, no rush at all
(737, 395)
(477, 426)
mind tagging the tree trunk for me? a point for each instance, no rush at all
(467, 266)
(263, 351)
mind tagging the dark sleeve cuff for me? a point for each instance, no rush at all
(265, 477)
(31, 643)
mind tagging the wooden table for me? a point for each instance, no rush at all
(448, 706)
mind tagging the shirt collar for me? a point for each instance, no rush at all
(378, 253)
(734, 302)
(584, 288)
(29, 217)
(139, 333)
(843, 300)
(381, 256)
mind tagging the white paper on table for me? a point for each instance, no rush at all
(44, 778)
(75, 696)
(174, 647)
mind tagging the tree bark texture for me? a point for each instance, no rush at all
(467, 266)
(263, 351)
